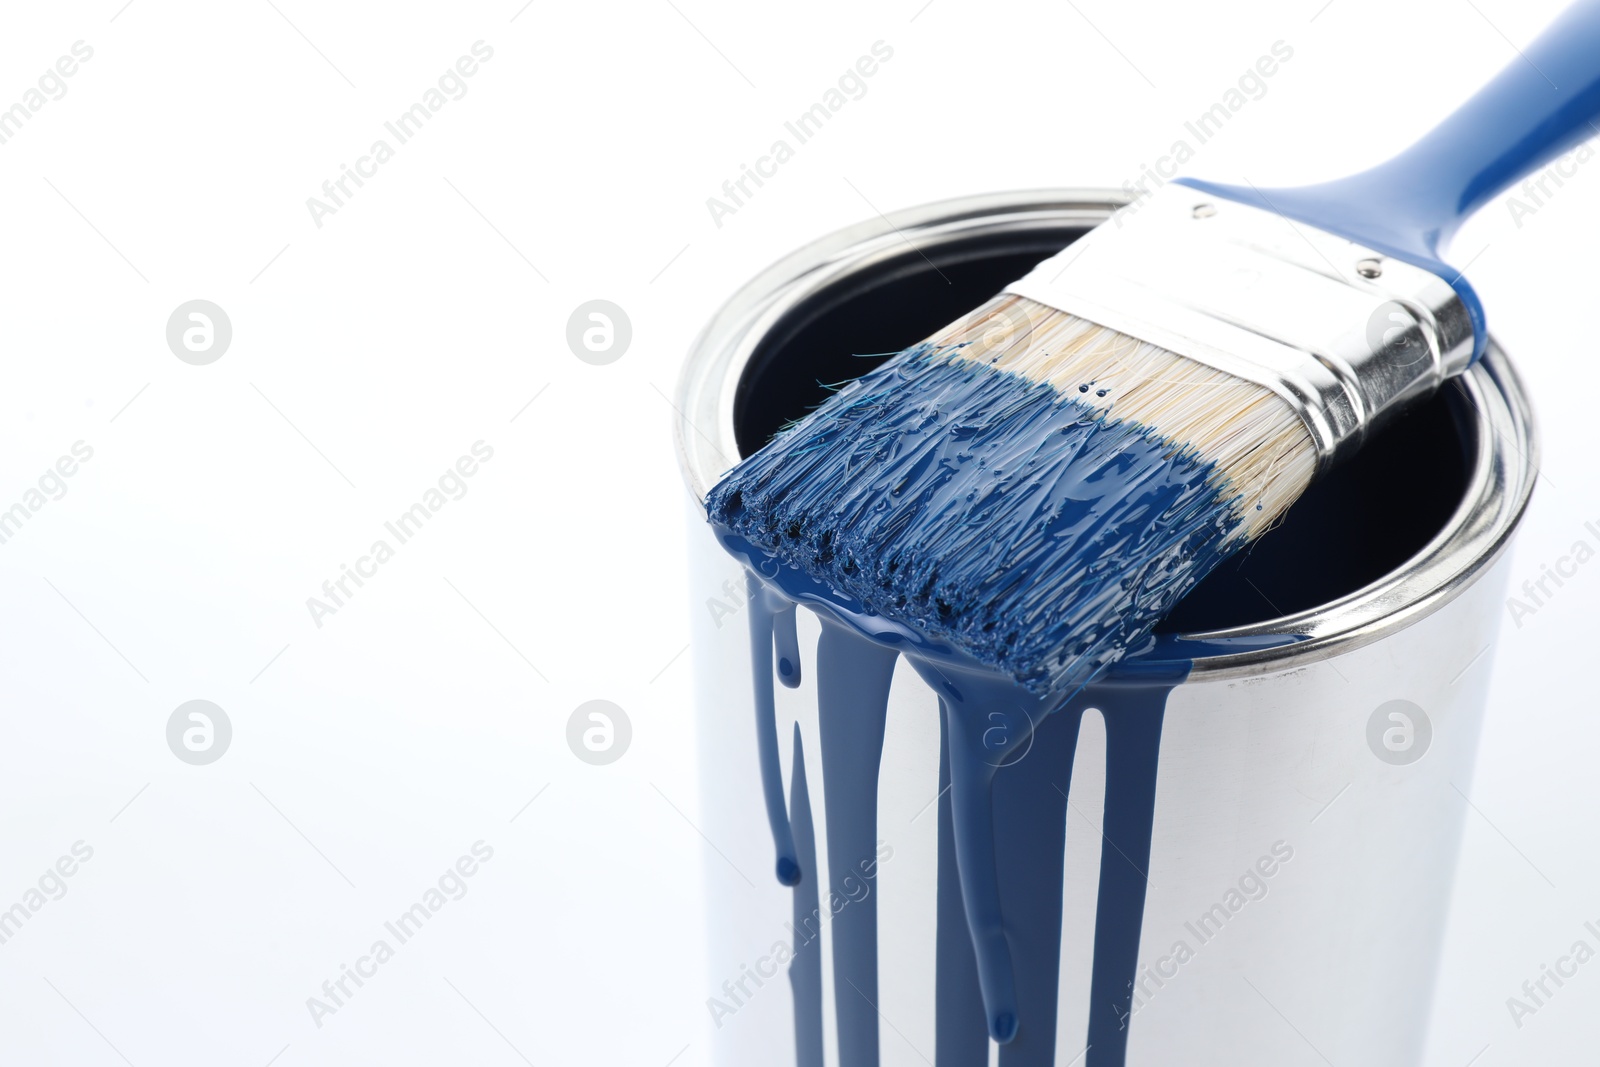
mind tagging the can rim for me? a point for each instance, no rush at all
(1502, 472)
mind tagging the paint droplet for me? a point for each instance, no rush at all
(1005, 1027)
(788, 871)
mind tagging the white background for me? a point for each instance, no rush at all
(372, 351)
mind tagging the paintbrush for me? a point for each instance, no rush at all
(1039, 483)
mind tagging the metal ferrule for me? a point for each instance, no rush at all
(1344, 334)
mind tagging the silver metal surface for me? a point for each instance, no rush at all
(1502, 468)
(1346, 336)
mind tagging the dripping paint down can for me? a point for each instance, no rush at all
(1305, 819)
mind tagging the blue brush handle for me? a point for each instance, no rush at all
(1544, 103)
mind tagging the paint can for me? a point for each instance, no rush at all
(1312, 770)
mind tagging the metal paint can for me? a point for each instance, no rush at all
(1310, 796)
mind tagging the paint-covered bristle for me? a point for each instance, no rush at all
(1032, 488)
(1263, 455)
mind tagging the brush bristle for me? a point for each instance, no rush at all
(1263, 454)
(1026, 485)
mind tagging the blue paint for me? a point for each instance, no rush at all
(764, 606)
(988, 720)
(961, 1032)
(1006, 754)
(1010, 764)
(1030, 821)
(852, 707)
(805, 969)
(1133, 716)
(787, 643)
(983, 512)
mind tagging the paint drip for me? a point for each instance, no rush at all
(1002, 825)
